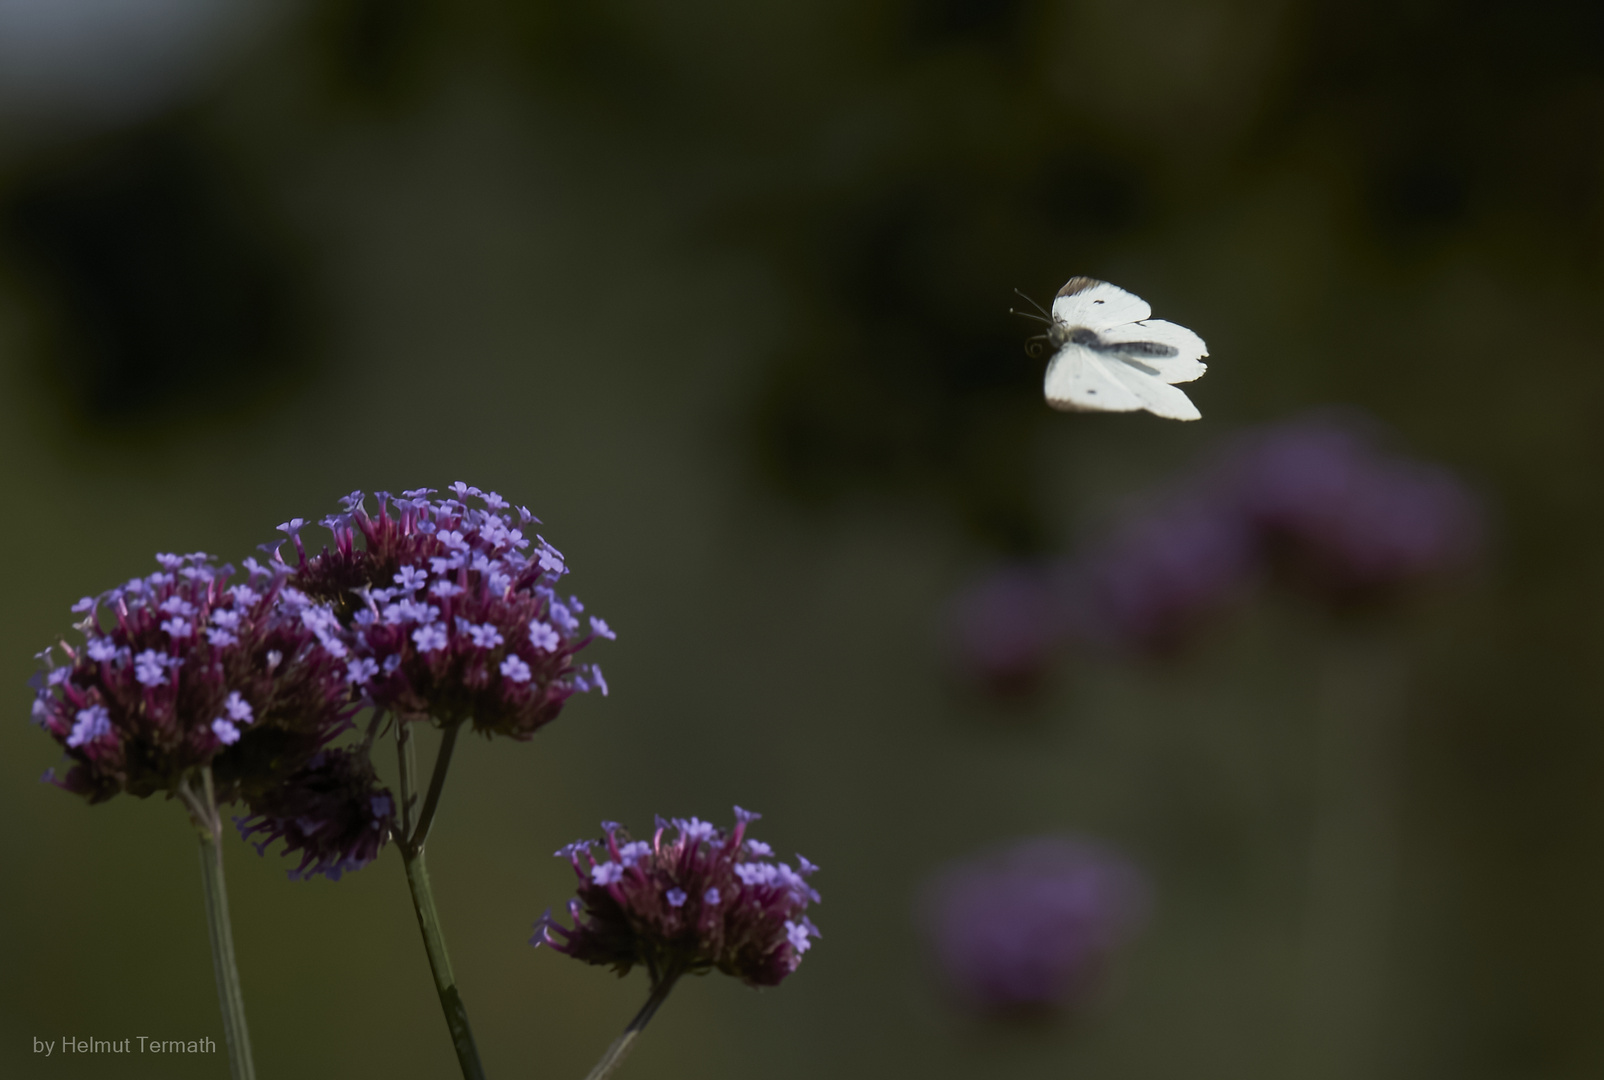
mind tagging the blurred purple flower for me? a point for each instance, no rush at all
(1316, 498)
(333, 811)
(1162, 574)
(703, 900)
(1032, 926)
(1351, 520)
(450, 611)
(182, 670)
(1003, 628)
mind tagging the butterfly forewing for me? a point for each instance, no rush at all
(1097, 305)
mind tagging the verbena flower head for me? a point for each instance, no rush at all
(452, 610)
(1032, 926)
(182, 669)
(704, 899)
(333, 812)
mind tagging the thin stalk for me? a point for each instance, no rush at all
(434, 942)
(437, 782)
(614, 1057)
(208, 822)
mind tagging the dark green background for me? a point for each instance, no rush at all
(720, 290)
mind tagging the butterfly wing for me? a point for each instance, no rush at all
(1172, 351)
(1153, 391)
(1097, 305)
(1081, 380)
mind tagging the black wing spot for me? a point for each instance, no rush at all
(1097, 301)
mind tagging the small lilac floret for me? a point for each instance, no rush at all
(606, 873)
(430, 638)
(91, 723)
(543, 637)
(600, 628)
(676, 897)
(514, 668)
(797, 935)
(226, 732)
(238, 709)
(150, 668)
(484, 636)
(711, 896)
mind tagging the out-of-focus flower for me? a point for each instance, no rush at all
(1004, 628)
(1315, 502)
(450, 611)
(1352, 521)
(181, 669)
(333, 812)
(1032, 926)
(1161, 575)
(705, 899)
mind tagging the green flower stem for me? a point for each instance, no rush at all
(202, 806)
(434, 943)
(614, 1057)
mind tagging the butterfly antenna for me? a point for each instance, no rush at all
(1028, 315)
(1031, 302)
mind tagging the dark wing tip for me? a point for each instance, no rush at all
(1077, 285)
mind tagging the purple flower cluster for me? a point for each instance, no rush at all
(332, 811)
(1315, 502)
(705, 899)
(183, 669)
(449, 611)
(1032, 926)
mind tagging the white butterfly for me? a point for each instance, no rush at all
(1110, 357)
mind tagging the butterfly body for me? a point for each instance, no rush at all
(1109, 356)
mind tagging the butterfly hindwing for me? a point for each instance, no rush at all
(1079, 380)
(1154, 392)
(1184, 362)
